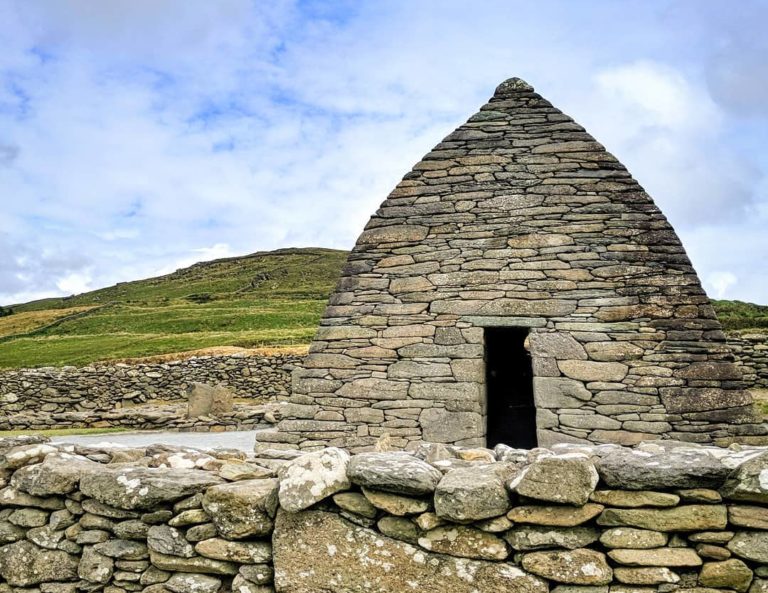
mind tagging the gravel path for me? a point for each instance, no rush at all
(233, 440)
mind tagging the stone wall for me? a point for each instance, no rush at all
(134, 395)
(520, 219)
(663, 517)
(751, 352)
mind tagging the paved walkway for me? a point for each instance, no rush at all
(234, 440)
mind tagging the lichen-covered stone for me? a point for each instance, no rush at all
(561, 479)
(672, 557)
(192, 583)
(470, 494)
(400, 473)
(464, 542)
(240, 552)
(23, 564)
(242, 509)
(315, 548)
(395, 504)
(533, 537)
(629, 537)
(728, 574)
(683, 518)
(749, 482)
(633, 499)
(750, 545)
(144, 488)
(313, 477)
(556, 516)
(576, 567)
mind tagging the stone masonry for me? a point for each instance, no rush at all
(518, 218)
(665, 517)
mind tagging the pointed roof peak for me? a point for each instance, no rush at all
(513, 85)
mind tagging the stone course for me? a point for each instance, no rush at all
(142, 396)
(163, 519)
(519, 218)
(751, 351)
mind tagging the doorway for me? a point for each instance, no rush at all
(509, 383)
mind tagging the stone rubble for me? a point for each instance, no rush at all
(163, 519)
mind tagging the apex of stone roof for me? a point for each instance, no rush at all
(513, 85)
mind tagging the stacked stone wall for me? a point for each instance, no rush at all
(663, 517)
(140, 396)
(519, 218)
(751, 351)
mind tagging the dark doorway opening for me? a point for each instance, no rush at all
(509, 382)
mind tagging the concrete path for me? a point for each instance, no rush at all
(233, 440)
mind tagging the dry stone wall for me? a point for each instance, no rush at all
(519, 218)
(751, 351)
(663, 517)
(130, 395)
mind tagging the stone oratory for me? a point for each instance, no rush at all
(518, 286)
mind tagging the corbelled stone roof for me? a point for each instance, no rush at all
(519, 218)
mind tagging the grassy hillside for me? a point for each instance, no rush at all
(264, 299)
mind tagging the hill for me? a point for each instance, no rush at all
(271, 299)
(263, 299)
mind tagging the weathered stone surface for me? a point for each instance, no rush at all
(356, 503)
(576, 567)
(750, 516)
(394, 472)
(240, 552)
(144, 488)
(194, 565)
(561, 479)
(645, 576)
(169, 540)
(399, 528)
(313, 477)
(555, 516)
(242, 509)
(676, 468)
(58, 473)
(443, 426)
(672, 557)
(122, 549)
(313, 549)
(559, 392)
(473, 493)
(396, 504)
(533, 537)
(750, 545)
(192, 583)
(683, 518)
(587, 370)
(749, 482)
(23, 564)
(208, 400)
(464, 542)
(629, 537)
(95, 567)
(633, 499)
(729, 574)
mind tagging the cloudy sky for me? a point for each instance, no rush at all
(138, 136)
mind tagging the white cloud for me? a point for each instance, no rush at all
(720, 282)
(136, 131)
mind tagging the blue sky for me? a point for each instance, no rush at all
(139, 136)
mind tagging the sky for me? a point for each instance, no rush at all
(140, 136)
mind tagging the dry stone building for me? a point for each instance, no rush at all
(518, 286)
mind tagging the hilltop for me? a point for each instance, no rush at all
(265, 299)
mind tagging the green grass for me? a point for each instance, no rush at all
(260, 300)
(737, 315)
(59, 432)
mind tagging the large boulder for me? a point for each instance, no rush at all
(320, 551)
(144, 488)
(678, 467)
(59, 473)
(473, 493)
(397, 472)
(749, 481)
(313, 477)
(208, 400)
(243, 509)
(564, 479)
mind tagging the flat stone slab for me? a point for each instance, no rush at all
(319, 551)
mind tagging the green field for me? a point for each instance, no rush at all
(262, 300)
(270, 299)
